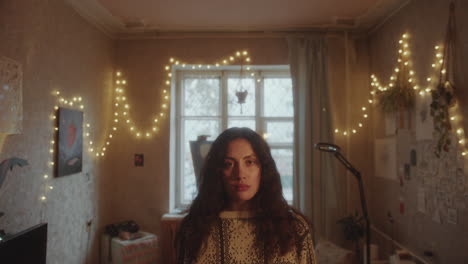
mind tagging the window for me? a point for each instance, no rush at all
(206, 104)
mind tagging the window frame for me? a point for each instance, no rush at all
(179, 73)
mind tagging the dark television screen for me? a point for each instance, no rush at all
(26, 247)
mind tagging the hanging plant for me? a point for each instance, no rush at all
(443, 97)
(398, 97)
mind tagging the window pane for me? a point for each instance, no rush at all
(277, 97)
(284, 163)
(193, 129)
(234, 107)
(201, 97)
(250, 123)
(280, 132)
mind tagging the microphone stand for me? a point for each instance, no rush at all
(357, 174)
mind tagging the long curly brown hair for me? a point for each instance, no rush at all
(273, 220)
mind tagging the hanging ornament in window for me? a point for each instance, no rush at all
(241, 92)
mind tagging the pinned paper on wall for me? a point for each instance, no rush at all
(421, 200)
(11, 96)
(390, 126)
(424, 124)
(385, 158)
(452, 216)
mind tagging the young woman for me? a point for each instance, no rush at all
(240, 214)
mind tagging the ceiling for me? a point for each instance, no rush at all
(121, 18)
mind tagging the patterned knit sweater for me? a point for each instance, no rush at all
(232, 241)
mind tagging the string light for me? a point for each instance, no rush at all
(123, 108)
(454, 114)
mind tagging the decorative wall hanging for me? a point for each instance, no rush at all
(9, 164)
(443, 97)
(11, 96)
(70, 142)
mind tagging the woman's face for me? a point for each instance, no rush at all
(241, 174)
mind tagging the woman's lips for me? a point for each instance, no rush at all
(241, 187)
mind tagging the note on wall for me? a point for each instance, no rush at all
(421, 200)
(385, 158)
(424, 120)
(11, 98)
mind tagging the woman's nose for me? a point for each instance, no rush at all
(238, 172)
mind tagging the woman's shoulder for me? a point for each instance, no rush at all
(300, 222)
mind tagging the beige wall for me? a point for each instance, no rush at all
(142, 193)
(58, 50)
(425, 21)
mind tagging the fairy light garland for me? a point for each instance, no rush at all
(121, 113)
(423, 89)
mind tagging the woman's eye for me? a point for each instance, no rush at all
(228, 164)
(251, 162)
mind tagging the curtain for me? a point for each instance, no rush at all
(315, 177)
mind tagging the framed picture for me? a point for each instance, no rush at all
(139, 160)
(199, 150)
(70, 142)
(11, 96)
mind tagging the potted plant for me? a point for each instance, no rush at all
(353, 230)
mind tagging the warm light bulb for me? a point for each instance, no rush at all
(360, 124)
(43, 198)
(363, 108)
(365, 115)
(119, 73)
(46, 176)
(354, 131)
(337, 130)
(51, 187)
(459, 131)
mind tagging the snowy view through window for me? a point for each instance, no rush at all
(208, 105)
